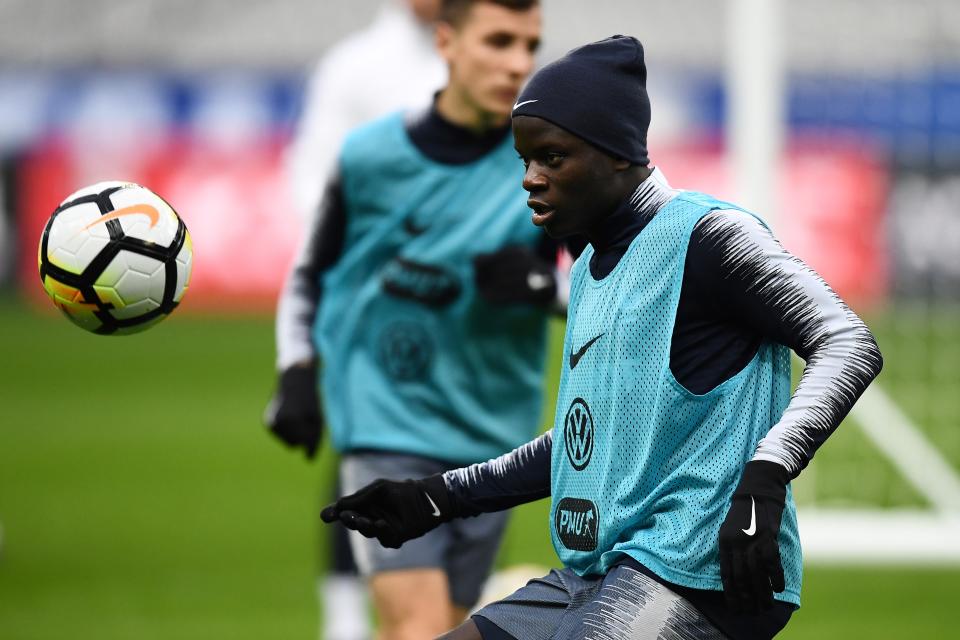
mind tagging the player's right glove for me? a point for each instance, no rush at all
(394, 511)
(515, 275)
(293, 414)
(750, 566)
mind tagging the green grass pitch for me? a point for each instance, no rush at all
(141, 498)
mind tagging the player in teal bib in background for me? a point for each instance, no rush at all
(676, 437)
(414, 361)
(420, 304)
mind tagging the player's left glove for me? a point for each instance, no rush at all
(293, 414)
(515, 275)
(750, 566)
(394, 511)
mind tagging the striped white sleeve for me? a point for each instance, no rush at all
(300, 296)
(800, 310)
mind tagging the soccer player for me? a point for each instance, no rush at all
(676, 439)
(422, 296)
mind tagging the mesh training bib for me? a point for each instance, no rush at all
(414, 361)
(641, 466)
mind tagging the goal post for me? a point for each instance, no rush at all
(756, 131)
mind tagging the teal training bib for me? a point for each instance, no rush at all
(413, 360)
(642, 467)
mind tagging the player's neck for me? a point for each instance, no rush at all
(455, 108)
(615, 224)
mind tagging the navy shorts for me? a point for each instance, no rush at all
(464, 549)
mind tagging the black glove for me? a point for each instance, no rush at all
(750, 565)
(513, 275)
(394, 511)
(293, 414)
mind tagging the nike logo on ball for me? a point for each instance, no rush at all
(575, 357)
(137, 209)
(520, 104)
(436, 511)
(752, 529)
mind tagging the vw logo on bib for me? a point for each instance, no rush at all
(578, 434)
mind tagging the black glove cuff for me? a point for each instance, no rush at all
(436, 488)
(299, 379)
(762, 478)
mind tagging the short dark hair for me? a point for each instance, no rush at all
(453, 12)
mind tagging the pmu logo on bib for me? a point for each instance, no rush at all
(578, 434)
(575, 521)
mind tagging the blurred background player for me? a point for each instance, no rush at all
(429, 292)
(391, 64)
(670, 462)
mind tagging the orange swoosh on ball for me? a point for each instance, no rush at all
(143, 209)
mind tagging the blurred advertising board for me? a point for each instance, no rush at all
(213, 143)
(236, 203)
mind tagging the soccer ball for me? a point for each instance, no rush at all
(115, 258)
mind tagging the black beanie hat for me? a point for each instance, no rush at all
(596, 92)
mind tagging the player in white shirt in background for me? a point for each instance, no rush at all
(390, 64)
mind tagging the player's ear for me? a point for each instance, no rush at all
(444, 38)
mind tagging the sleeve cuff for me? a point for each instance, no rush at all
(763, 478)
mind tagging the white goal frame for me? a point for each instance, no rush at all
(756, 129)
